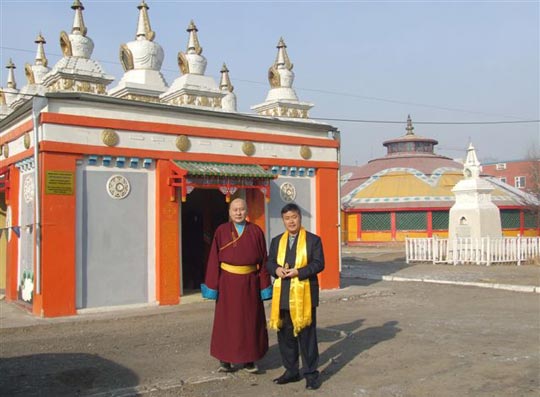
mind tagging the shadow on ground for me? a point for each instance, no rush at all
(351, 340)
(69, 374)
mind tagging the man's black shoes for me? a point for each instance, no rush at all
(287, 377)
(313, 383)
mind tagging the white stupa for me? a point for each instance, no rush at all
(34, 75)
(228, 102)
(193, 88)
(474, 214)
(141, 60)
(281, 100)
(76, 71)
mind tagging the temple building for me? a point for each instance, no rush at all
(112, 195)
(408, 193)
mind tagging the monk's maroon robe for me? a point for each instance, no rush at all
(239, 334)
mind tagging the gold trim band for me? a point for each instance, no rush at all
(240, 269)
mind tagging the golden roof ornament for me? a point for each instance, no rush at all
(143, 28)
(2, 98)
(410, 127)
(225, 83)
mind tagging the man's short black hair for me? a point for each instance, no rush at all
(291, 207)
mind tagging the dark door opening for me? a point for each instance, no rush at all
(203, 211)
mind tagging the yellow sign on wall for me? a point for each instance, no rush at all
(59, 182)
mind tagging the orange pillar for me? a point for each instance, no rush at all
(12, 251)
(167, 238)
(327, 224)
(58, 243)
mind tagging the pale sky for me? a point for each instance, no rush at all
(451, 61)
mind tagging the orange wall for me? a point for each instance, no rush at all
(58, 220)
(167, 239)
(327, 225)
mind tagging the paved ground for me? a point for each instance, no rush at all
(376, 337)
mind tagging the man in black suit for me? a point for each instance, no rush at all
(295, 258)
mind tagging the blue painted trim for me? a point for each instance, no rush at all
(208, 293)
(266, 294)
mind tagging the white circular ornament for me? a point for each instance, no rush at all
(118, 187)
(287, 192)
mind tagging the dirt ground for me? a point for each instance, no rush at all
(375, 339)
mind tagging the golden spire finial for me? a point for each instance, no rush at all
(78, 22)
(410, 127)
(282, 58)
(143, 28)
(41, 59)
(193, 42)
(225, 83)
(11, 83)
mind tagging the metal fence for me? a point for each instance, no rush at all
(480, 251)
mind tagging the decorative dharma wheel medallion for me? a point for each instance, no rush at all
(26, 141)
(248, 148)
(118, 187)
(183, 143)
(305, 152)
(109, 137)
(287, 191)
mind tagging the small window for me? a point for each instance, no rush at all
(503, 179)
(519, 181)
(500, 166)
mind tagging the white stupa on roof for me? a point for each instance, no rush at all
(473, 214)
(228, 102)
(141, 60)
(76, 71)
(193, 88)
(34, 75)
(9, 93)
(282, 100)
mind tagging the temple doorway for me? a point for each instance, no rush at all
(202, 212)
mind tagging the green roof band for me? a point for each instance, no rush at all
(197, 168)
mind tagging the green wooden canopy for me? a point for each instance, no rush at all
(196, 168)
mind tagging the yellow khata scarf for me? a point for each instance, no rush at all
(299, 294)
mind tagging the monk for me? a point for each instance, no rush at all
(236, 277)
